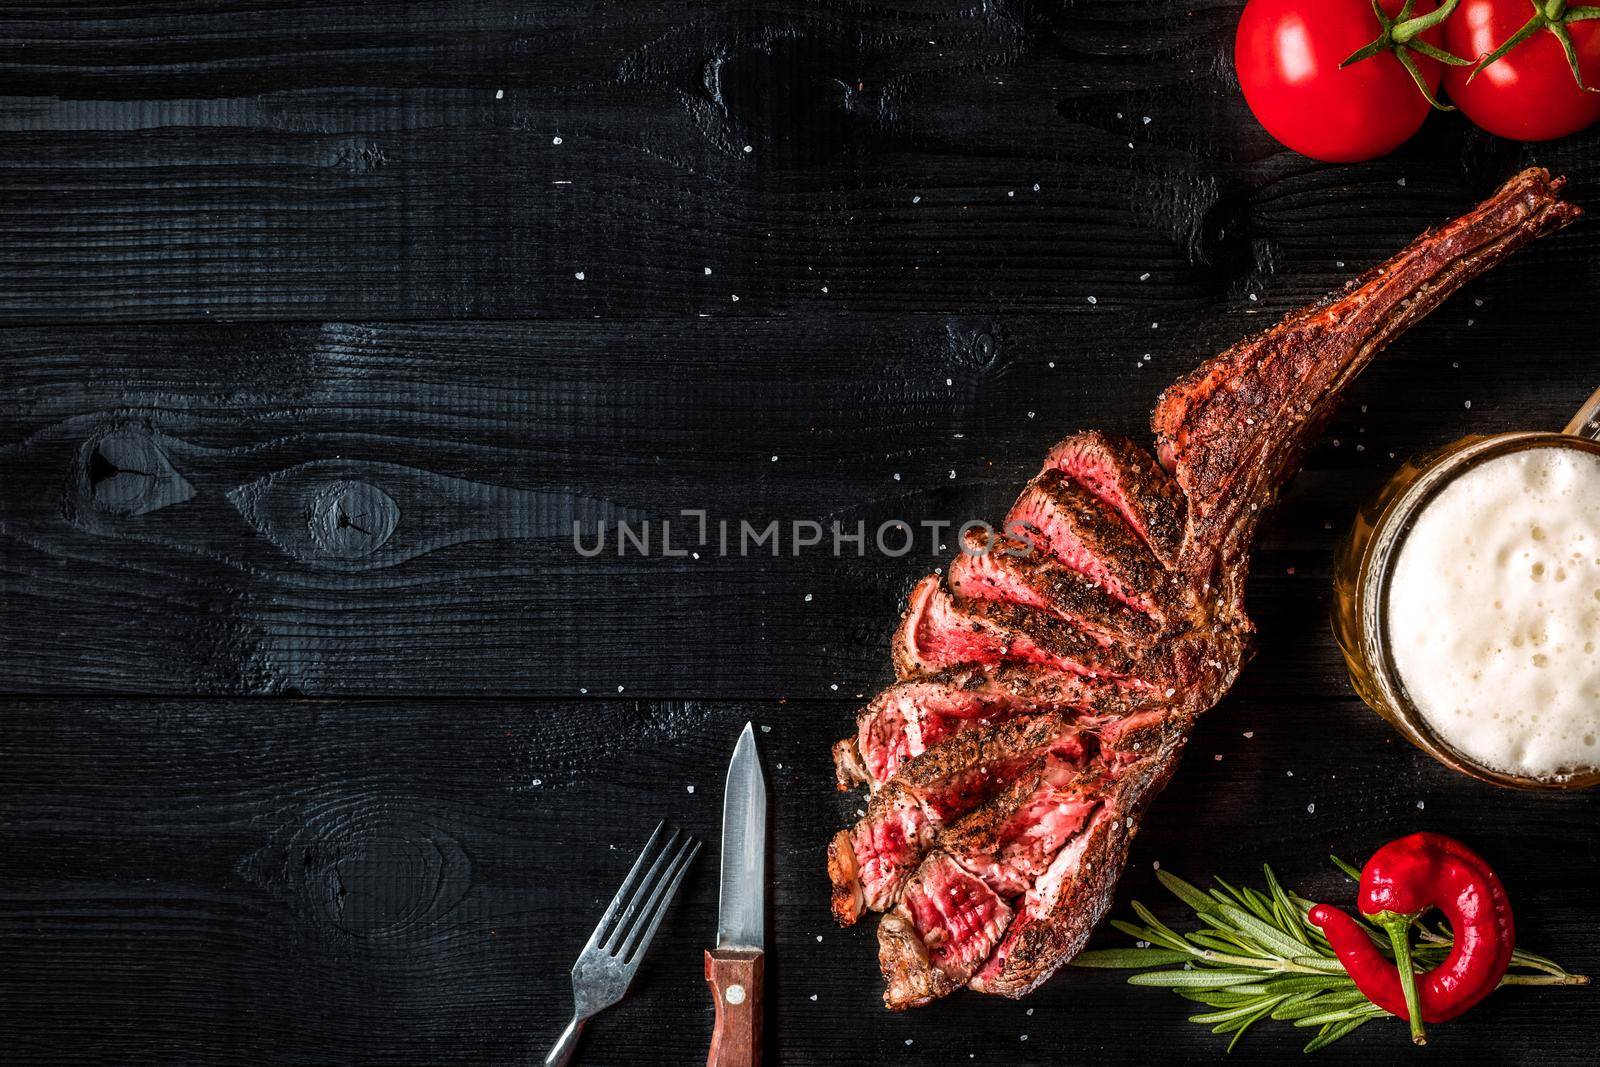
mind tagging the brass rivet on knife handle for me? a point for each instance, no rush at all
(735, 978)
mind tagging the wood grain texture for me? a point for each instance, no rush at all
(494, 160)
(311, 882)
(192, 490)
(735, 979)
(320, 322)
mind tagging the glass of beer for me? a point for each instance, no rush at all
(1467, 605)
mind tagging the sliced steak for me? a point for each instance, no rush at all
(869, 863)
(938, 632)
(1079, 530)
(1012, 845)
(1011, 840)
(943, 930)
(909, 717)
(1129, 479)
(1056, 915)
(1005, 569)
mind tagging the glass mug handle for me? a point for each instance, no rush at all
(1586, 423)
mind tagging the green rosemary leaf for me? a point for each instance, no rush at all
(1185, 892)
(1203, 979)
(1318, 1005)
(1334, 1032)
(1264, 934)
(1247, 1023)
(1211, 938)
(1164, 933)
(1339, 1015)
(1257, 903)
(1130, 957)
(1156, 937)
(1520, 958)
(1294, 922)
(1299, 983)
(1216, 998)
(1319, 963)
(1355, 875)
(1230, 1014)
(1223, 937)
(1225, 893)
(1294, 1004)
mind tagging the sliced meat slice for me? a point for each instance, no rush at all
(1003, 568)
(1032, 936)
(1011, 840)
(1059, 911)
(1129, 479)
(910, 717)
(870, 862)
(943, 930)
(937, 632)
(1005, 847)
(1043, 833)
(1075, 527)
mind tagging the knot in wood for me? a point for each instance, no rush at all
(125, 472)
(351, 519)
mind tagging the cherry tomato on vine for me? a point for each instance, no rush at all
(1529, 93)
(1288, 55)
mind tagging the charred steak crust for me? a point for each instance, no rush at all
(939, 632)
(1006, 569)
(1233, 429)
(904, 720)
(1128, 479)
(1075, 526)
(992, 855)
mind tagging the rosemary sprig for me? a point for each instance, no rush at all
(1256, 956)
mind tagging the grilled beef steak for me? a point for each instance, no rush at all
(1048, 684)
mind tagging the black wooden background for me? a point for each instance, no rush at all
(275, 792)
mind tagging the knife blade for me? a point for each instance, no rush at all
(734, 969)
(741, 910)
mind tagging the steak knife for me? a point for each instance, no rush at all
(734, 968)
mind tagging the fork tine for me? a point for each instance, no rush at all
(650, 917)
(638, 891)
(626, 889)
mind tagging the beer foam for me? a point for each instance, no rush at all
(1494, 612)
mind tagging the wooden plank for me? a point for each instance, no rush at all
(351, 160)
(329, 882)
(368, 509)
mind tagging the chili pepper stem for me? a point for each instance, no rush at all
(1398, 927)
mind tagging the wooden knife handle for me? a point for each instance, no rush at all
(735, 981)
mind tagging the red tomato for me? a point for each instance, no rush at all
(1288, 52)
(1529, 93)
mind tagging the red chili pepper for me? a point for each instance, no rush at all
(1402, 880)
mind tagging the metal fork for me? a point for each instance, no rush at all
(609, 959)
